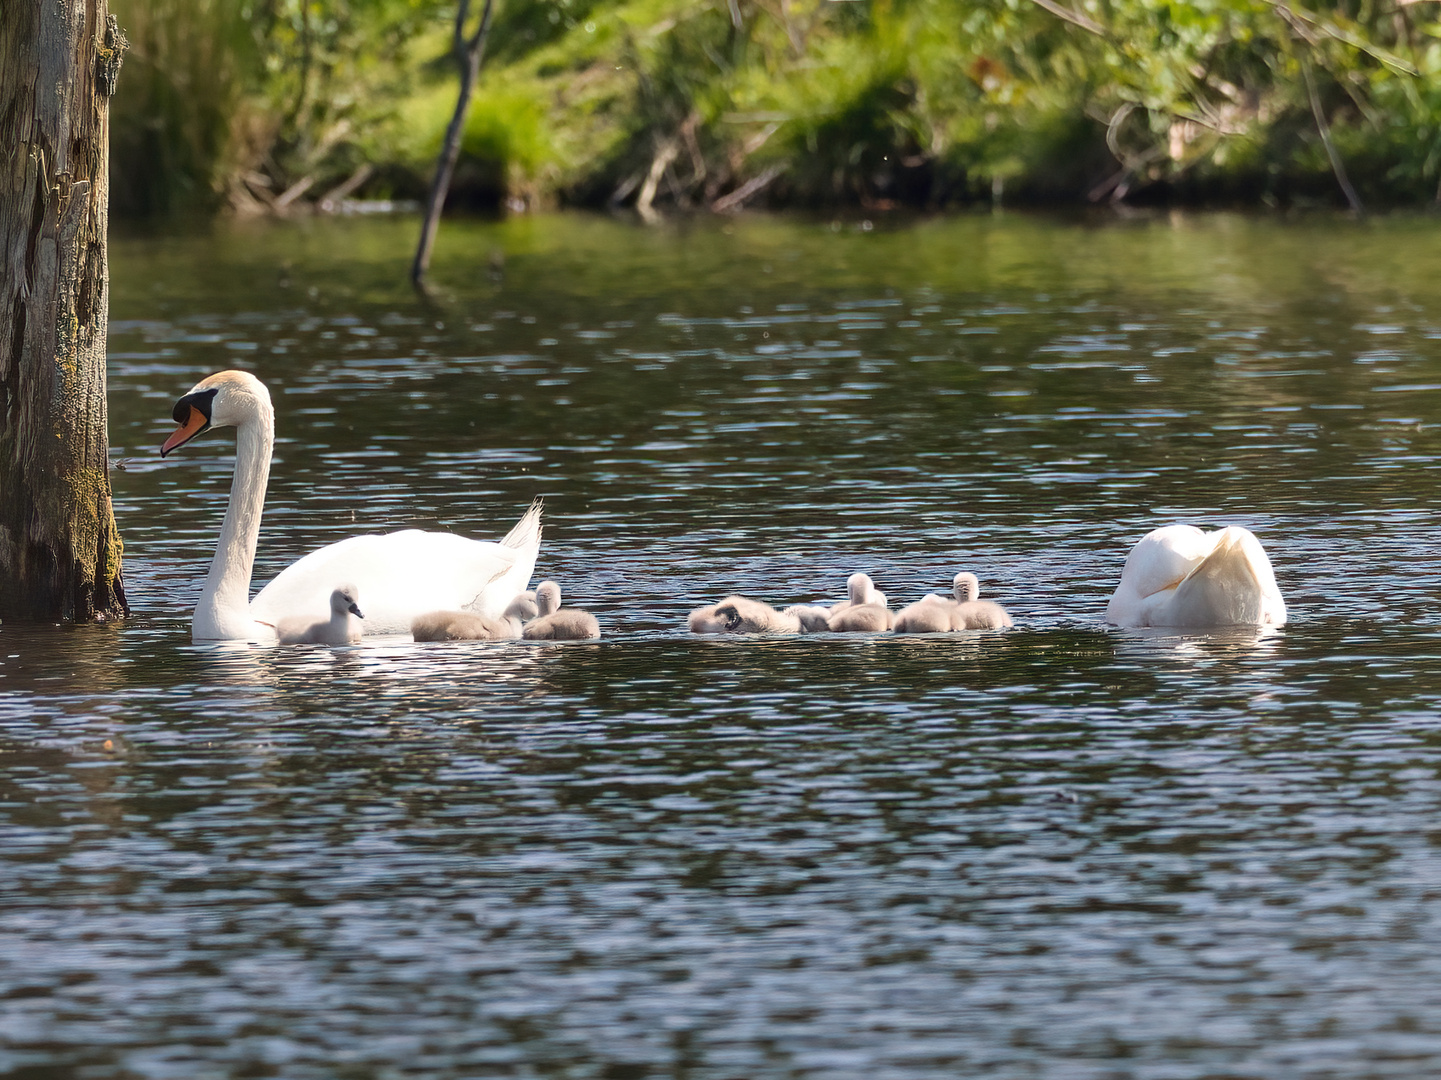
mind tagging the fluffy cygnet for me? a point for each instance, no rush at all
(468, 626)
(557, 623)
(860, 589)
(929, 615)
(813, 619)
(336, 630)
(973, 614)
(941, 614)
(862, 618)
(864, 612)
(742, 615)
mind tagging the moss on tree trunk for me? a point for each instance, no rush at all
(59, 548)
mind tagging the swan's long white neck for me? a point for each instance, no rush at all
(224, 608)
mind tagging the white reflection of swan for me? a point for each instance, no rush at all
(401, 574)
(1179, 576)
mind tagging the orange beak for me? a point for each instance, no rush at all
(192, 426)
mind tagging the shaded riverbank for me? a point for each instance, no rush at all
(672, 107)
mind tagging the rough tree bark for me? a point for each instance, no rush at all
(59, 548)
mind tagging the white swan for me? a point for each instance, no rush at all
(336, 630)
(1183, 577)
(557, 623)
(401, 574)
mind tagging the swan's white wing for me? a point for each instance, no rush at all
(404, 574)
(1233, 586)
(1156, 565)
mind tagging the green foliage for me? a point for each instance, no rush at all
(819, 102)
(180, 93)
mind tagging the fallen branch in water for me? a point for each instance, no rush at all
(331, 200)
(737, 198)
(468, 54)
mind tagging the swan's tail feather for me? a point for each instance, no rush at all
(526, 532)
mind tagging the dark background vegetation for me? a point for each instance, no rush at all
(283, 105)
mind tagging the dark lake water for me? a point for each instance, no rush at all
(1065, 851)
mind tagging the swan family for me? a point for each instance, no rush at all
(399, 575)
(443, 587)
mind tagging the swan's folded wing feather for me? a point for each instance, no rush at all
(401, 575)
(1233, 584)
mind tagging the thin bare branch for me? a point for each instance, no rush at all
(1308, 24)
(469, 54)
(1085, 22)
(1337, 165)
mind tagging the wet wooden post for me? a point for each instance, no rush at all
(59, 548)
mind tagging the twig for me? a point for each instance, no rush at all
(290, 194)
(328, 202)
(468, 54)
(663, 157)
(1337, 165)
(736, 198)
(1085, 22)
(1297, 16)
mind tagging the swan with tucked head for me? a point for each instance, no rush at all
(401, 574)
(469, 626)
(556, 623)
(336, 630)
(1182, 577)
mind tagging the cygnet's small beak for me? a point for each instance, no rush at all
(354, 609)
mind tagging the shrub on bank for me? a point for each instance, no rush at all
(269, 104)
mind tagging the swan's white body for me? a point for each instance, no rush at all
(1180, 576)
(401, 575)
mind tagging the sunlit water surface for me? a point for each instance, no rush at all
(1064, 851)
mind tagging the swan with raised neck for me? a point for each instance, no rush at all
(402, 574)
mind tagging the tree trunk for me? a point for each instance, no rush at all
(59, 548)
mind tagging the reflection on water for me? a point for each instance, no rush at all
(1061, 851)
